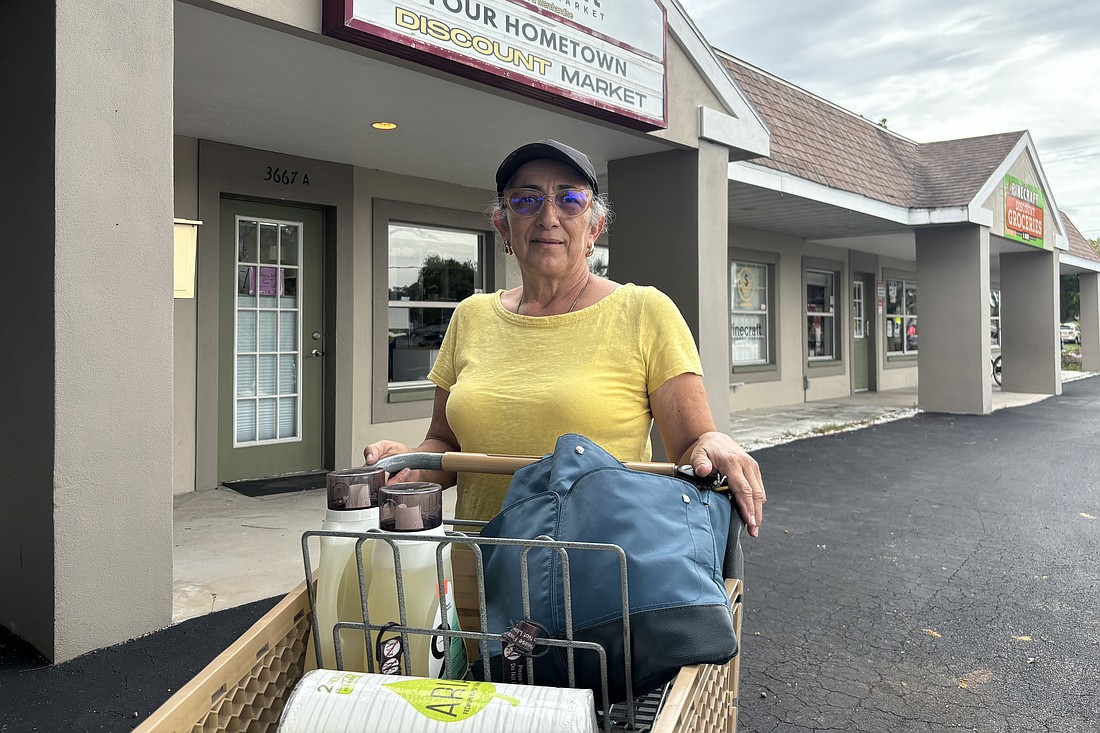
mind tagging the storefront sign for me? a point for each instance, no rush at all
(1023, 212)
(602, 57)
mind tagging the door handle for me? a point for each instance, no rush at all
(316, 353)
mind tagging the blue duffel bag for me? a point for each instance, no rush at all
(677, 539)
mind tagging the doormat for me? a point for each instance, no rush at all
(277, 484)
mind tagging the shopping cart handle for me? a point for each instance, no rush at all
(454, 461)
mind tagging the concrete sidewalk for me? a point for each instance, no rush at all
(230, 549)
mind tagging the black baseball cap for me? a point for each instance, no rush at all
(546, 150)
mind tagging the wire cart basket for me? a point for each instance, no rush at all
(245, 688)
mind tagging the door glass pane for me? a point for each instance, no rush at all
(267, 377)
(268, 326)
(246, 286)
(288, 244)
(288, 374)
(246, 330)
(246, 421)
(289, 296)
(288, 331)
(247, 233)
(269, 244)
(267, 331)
(246, 375)
(288, 417)
(265, 419)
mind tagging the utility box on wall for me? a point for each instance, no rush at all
(186, 234)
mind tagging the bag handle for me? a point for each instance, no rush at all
(452, 461)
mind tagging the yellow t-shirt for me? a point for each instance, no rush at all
(517, 382)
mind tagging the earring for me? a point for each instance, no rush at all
(507, 247)
(589, 251)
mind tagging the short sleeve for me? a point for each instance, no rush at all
(667, 344)
(444, 373)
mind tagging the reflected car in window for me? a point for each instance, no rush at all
(1070, 334)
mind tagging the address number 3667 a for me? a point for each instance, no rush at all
(286, 176)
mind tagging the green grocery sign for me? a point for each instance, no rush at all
(1023, 212)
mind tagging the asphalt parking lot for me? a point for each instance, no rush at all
(936, 573)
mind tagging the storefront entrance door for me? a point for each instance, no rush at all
(860, 379)
(271, 347)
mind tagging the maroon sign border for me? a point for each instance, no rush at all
(337, 22)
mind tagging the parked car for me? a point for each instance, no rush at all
(1070, 333)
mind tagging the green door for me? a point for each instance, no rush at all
(859, 336)
(271, 345)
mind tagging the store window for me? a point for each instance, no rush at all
(821, 335)
(995, 318)
(431, 260)
(750, 334)
(901, 317)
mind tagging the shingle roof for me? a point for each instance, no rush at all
(952, 171)
(1078, 245)
(821, 142)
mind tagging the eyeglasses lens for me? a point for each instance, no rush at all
(570, 202)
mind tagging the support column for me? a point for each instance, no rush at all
(1090, 321)
(1030, 344)
(86, 437)
(953, 369)
(670, 232)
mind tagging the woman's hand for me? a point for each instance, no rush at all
(384, 448)
(716, 451)
(683, 416)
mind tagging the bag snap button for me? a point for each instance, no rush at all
(686, 498)
(580, 449)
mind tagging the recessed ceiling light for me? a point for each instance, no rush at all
(384, 125)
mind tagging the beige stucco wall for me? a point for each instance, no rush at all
(1030, 343)
(186, 180)
(674, 237)
(686, 92)
(113, 308)
(955, 374)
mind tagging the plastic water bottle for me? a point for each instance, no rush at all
(415, 509)
(352, 507)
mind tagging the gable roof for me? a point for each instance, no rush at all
(819, 141)
(1078, 245)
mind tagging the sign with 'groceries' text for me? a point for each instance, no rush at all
(602, 57)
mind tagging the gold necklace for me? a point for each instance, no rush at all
(571, 305)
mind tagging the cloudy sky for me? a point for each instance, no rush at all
(941, 69)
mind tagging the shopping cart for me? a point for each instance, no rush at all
(246, 687)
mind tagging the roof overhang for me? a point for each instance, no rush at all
(250, 81)
(764, 198)
(1072, 265)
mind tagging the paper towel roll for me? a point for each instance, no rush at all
(329, 700)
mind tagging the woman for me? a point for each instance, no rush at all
(568, 351)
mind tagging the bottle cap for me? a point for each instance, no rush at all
(410, 507)
(354, 488)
